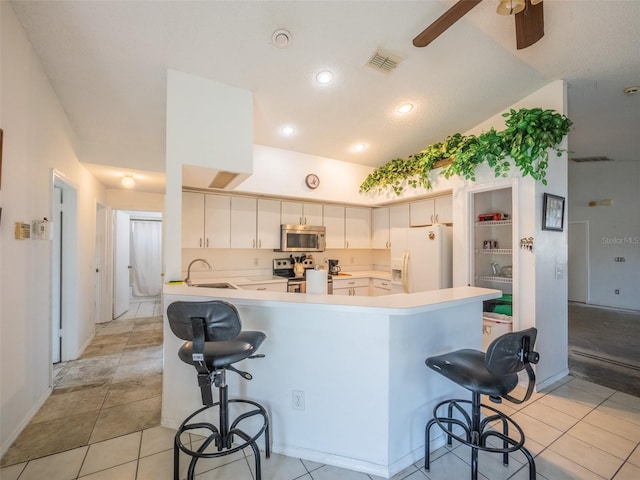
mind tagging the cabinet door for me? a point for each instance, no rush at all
(192, 220)
(243, 222)
(217, 221)
(360, 291)
(357, 227)
(399, 216)
(380, 228)
(444, 209)
(421, 213)
(268, 221)
(342, 291)
(312, 214)
(292, 213)
(334, 221)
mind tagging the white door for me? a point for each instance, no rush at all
(578, 265)
(56, 275)
(121, 263)
(100, 315)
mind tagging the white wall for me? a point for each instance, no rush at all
(541, 298)
(614, 231)
(37, 139)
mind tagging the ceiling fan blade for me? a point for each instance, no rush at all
(447, 19)
(529, 25)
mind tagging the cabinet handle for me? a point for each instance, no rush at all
(436, 218)
(301, 221)
(305, 221)
(347, 243)
(253, 244)
(207, 243)
(259, 243)
(200, 242)
(431, 218)
(263, 288)
(384, 284)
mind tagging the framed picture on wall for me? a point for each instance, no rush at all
(552, 212)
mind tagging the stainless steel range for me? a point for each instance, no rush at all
(294, 269)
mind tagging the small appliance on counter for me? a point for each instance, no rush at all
(295, 269)
(334, 269)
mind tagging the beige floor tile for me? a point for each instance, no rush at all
(595, 389)
(571, 401)
(278, 467)
(328, 472)
(155, 440)
(133, 390)
(206, 464)
(123, 419)
(110, 453)
(588, 456)
(405, 474)
(614, 424)
(121, 472)
(635, 457)
(62, 466)
(612, 407)
(628, 472)
(115, 328)
(556, 467)
(90, 371)
(626, 399)
(602, 439)
(536, 430)
(447, 467)
(238, 470)
(12, 472)
(550, 416)
(66, 402)
(49, 437)
(159, 466)
(310, 465)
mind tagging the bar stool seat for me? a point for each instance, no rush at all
(215, 341)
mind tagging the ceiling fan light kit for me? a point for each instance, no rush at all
(510, 7)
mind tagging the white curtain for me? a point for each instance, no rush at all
(146, 257)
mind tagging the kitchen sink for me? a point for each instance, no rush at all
(216, 285)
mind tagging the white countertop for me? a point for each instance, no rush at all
(399, 304)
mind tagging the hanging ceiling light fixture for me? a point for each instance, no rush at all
(128, 181)
(511, 7)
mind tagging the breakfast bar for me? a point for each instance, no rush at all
(343, 378)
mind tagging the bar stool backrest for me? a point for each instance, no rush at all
(221, 320)
(509, 353)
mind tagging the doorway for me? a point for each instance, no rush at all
(137, 260)
(64, 279)
(578, 263)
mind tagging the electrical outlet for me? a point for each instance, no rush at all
(617, 291)
(297, 400)
(559, 272)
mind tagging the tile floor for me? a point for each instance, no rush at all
(575, 429)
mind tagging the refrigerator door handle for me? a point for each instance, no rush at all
(405, 272)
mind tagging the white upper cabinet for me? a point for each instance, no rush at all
(357, 227)
(380, 228)
(399, 216)
(268, 224)
(334, 221)
(431, 211)
(243, 222)
(297, 213)
(217, 221)
(193, 220)
(255, 223)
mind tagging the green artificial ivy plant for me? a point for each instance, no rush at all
(525, 143)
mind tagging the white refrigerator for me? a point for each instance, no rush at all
(421, 259)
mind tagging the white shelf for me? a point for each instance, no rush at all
(494, 251)
(491, 223)
(495, 279)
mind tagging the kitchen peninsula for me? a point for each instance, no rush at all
(357, 363)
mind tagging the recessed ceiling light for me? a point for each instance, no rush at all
(128, 181)
(324, 77)
(359, 147)
(281, 38)
(405, 108)
(287, 130)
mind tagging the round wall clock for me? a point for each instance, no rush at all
(312, 180)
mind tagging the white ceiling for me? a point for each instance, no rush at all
(107, 61)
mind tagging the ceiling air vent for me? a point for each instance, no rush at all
(591, 159)
(383, 62)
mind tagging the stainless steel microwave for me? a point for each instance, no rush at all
(302, 238)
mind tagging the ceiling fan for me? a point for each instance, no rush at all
(528, 14)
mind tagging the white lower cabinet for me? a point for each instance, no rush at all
(380, 287)
(351, 286)
(271, 287)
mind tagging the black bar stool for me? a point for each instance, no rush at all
(214, 342)
(494, 374)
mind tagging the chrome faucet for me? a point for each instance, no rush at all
(188, 279)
